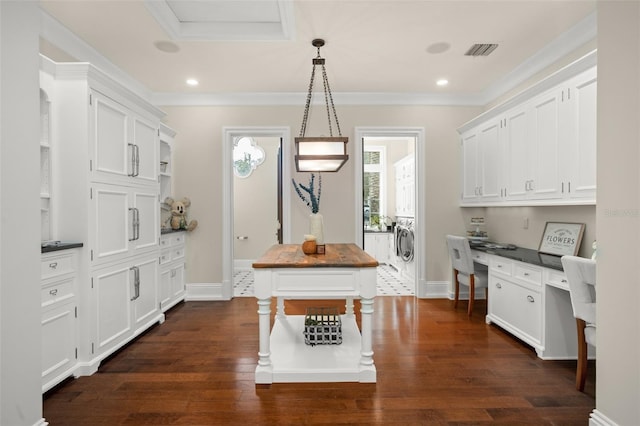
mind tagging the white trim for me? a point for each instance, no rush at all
(433, 289)
(41, 422)
(242, 264)
(597, 418)
(205, 292)
(228, 135)
(420, 218)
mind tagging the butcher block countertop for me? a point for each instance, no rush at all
(336, 256)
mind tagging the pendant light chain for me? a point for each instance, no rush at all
(328, 98)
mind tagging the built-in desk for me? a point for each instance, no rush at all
(345, 271)
(529, 298)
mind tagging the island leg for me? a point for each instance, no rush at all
(264, 370)
(367, 368)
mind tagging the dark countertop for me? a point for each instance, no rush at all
(366, 231)
(50, 246)
(171, 231)
(521, 254)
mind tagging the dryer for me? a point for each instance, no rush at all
(404, 246)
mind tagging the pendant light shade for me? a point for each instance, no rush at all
(320, 153)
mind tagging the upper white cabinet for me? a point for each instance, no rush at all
(405, 186)
(537, 149)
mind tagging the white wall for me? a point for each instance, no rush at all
(20, 348)
(618, 213)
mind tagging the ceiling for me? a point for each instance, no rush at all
(264, 46)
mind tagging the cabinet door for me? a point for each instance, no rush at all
(545, 142)
(111, 152)
(112, 293)
(582, 136)
(145, 293)
(489, 161)
(125, 222)
(165, 287)
(470, 142)
(517, 176)
(146, 146)
(518, 307)
(177, 281)
(58, 343)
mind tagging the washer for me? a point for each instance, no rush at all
(404, 245)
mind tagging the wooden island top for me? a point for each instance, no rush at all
(336, 256)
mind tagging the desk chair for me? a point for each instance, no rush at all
(465, 272)
(581, 274)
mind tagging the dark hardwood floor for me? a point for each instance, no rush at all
(435, 367)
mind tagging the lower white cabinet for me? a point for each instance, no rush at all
(172, 287)
(59, 317)
(125, 302)
(377, 244)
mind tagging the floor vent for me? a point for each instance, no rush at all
(483, 49)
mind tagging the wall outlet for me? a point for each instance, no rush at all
(525, 223)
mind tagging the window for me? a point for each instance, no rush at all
(374, 187)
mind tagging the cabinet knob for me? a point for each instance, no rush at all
(498, 285)
(53, 265)
(526, 274)
(531, 299)
(53, 292)
(563, 281)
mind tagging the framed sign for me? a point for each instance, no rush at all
(561, 238)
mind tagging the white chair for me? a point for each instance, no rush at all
(465, 272)
(581, 275)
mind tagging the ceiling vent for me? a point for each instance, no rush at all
(483, 49)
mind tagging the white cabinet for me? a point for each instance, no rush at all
(405, 186)
(166, 161)
(59, 317)
(515, 301)
(125, 146)
(125, 221)
(377, 245)
(125, 302)
(482, 155)
(537, 149)
(172, 255)
(107, 157)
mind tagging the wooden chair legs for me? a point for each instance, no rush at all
(472, 293)
(457, 289)
(472, 290)
(581, 370)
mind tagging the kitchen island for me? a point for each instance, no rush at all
(346, 272)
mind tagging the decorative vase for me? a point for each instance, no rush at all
(316, 227)
(309, 245)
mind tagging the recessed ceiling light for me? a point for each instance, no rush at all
(439, 47)
(166, 46)
(442, 82)
(192, 82)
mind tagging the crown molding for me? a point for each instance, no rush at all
(585, 31)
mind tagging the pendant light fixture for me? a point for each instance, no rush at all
(320, 153)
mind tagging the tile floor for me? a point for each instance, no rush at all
(389, 283)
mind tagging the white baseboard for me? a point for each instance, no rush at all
(598, 419)
(432, 289)
(205, 292)
(41, 422)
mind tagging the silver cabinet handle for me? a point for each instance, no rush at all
(531, 299)
(53, 292)
(135, 160)
(135, 224)
(498, 285)
(136, 282)
(526, 274)
(563, 281)
(53, 265)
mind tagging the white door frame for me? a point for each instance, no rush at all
(228, 136)
(419, 134)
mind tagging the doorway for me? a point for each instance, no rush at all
(388, 176)
(255, 209)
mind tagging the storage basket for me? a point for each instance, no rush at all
(322, 326)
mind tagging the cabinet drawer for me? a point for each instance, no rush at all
(178, 238)
(519, 307)
(165, 241)
(528, 275)
(56, 292)
(556, 279)
(480, 257)
(56, 265)
(165, 256)
(501, 266)
(177, 253)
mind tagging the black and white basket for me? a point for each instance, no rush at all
(322, 326)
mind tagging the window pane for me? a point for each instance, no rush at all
(372, 192)
(371, 157)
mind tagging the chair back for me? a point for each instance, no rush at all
(460, 254)
(581, 274)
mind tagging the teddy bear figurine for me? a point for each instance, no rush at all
(178, 219)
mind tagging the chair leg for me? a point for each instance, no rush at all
(581, 370)
(472, 292)
(457, 289)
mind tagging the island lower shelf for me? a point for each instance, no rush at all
(295, 361)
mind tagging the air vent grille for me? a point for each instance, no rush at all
(481, 49)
